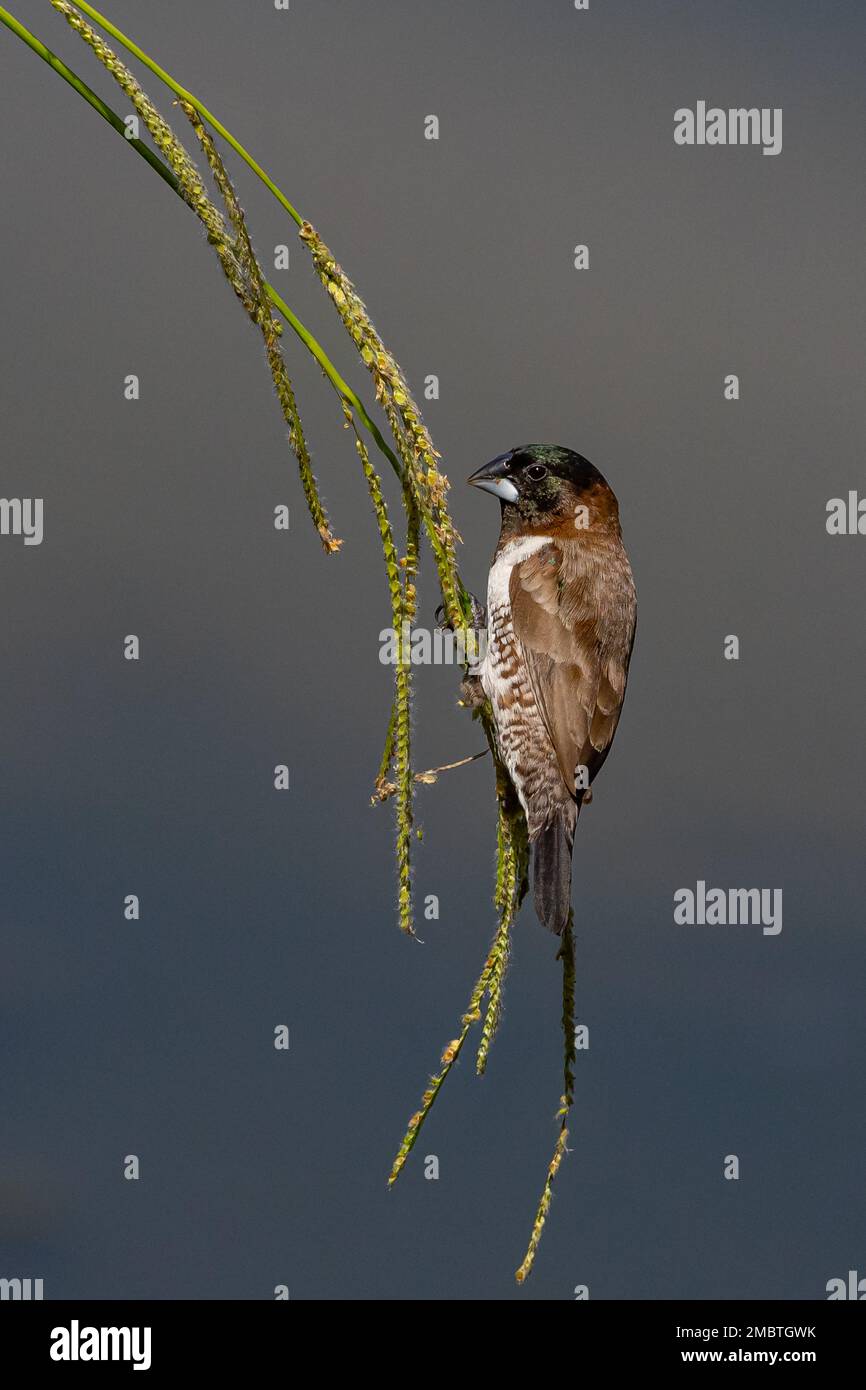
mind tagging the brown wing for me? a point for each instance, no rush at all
(573, 611)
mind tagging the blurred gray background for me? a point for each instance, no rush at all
(155, 778)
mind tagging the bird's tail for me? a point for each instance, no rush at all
(551, 874)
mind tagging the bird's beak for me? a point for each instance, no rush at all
(493, 477)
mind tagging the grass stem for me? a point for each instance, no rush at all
(566, 1102)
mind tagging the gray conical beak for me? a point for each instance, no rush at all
(493, 477)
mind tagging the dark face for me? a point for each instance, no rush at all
(539, 484)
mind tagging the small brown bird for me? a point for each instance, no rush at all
(561, 615)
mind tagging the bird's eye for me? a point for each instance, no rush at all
(536, 472)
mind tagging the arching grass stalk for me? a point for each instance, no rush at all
(81, 87)
(437, 522)
(425, 487)
(245, 276)
(511, 881)
(345, 392)
(398, 743)
(512, 868)
(427, 484)
(180, 91)
(258, 306)
(235, 253)
(505, 900)
(403, 725)
(566, 1102)
(449, 1057)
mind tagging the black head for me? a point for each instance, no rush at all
(539, 484)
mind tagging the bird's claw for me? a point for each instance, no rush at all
(479, 616)
(479, 613)
(472, 692)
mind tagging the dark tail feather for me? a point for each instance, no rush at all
(551, 875)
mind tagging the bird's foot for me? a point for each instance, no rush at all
(472, 692)
(479, 616)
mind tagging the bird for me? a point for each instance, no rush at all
(560, 620)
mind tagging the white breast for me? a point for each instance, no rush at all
(514, 553)
(521, 737)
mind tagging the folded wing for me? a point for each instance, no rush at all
(573, 613)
